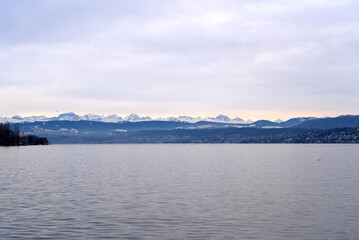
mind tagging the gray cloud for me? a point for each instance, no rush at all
(243, 58)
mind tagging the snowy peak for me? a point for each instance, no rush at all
(132, 117)
(135, 118)
(18, 119)
(68, 117)
(91, 117)
(111, 118)
(240, 120)
(223, 118)
(101, 118)
(180, 119)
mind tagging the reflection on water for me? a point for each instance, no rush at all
(179, 192)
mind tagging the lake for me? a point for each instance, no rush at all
(180, 191)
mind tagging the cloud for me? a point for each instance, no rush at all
(180, 57)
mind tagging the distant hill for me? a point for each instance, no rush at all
(220, 135)
(85, 127)
(294, 121)
(349, 121)
(286, 124)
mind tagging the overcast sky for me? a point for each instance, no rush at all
(250, 59)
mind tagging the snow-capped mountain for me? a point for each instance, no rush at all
(68, 117)
(18, 119)
(223, 118)
(180, 119)
(91, 117)
(220, 118)
(135, 118)
(240, 120)
(115, 118)
(101, 118)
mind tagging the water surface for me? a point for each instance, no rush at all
(164, 191)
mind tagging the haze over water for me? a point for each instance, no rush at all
(179, 191)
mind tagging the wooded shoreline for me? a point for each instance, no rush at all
(10, 136)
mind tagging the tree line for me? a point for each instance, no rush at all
(10, 136)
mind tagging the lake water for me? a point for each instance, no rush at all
(200, 191)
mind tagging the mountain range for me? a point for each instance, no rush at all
(303, 122)
(71, 128)
(115, 118)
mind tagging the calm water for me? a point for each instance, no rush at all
(179, 192)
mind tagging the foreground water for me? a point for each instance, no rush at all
(179, 192)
